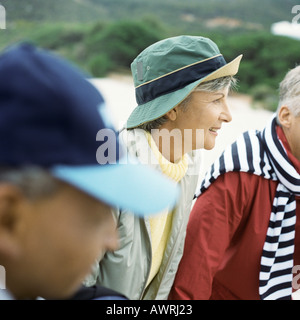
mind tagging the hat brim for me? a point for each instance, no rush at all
(131, 186)
(158, 107)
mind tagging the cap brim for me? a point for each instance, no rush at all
(230, 69)
(131, 186)
(160, 106)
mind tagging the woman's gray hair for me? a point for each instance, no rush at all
(209, 86)
(34, 182)
(289, 91)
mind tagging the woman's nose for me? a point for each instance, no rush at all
(226, 114)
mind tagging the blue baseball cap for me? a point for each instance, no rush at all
(51, 116)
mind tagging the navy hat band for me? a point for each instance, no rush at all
(177, 80)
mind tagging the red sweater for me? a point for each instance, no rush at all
(226, 235)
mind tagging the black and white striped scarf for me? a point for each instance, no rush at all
(262, 153)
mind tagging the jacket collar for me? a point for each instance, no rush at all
(138, 146)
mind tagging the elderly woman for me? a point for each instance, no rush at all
(181, 85)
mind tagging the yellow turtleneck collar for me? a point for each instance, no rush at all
(175, 171)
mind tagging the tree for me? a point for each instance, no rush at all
(122, 41)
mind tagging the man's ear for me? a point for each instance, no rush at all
(10, 197)
(172, 114)
(285, 117)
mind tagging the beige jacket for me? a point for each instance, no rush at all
(126, 270)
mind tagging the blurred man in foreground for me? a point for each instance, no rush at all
(55, 198)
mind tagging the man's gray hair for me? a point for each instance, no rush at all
(289, 91)
(209, 86)
(34, 182)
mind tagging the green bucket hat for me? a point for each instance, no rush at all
(166, 72)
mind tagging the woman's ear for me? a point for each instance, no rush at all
(172, 114)
(285, 117)
(10, 197)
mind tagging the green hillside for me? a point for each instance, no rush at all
(193, 13)
(103, 36)
(51, 10)
(187, 14)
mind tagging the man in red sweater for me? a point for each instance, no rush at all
(243, 240)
